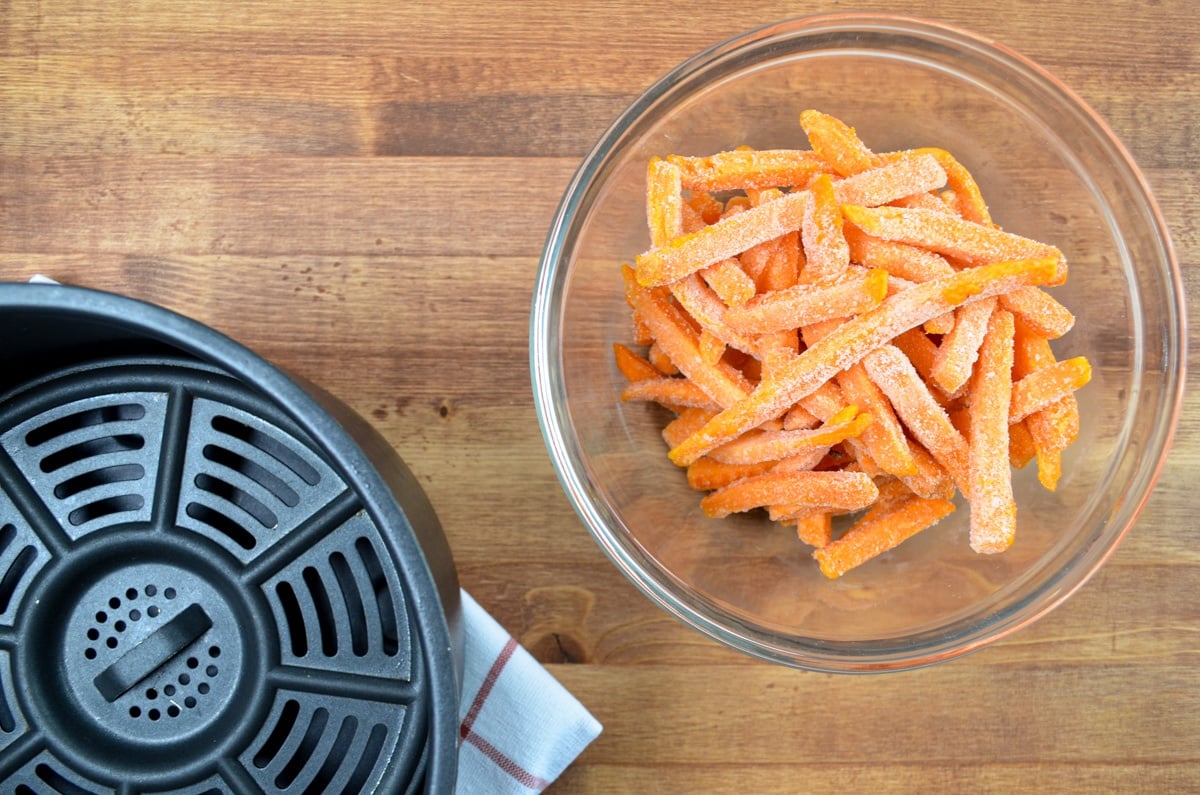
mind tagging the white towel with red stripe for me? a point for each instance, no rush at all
(519, 727)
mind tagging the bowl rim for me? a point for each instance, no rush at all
(546, 380)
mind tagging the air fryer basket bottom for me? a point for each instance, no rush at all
(191, 598)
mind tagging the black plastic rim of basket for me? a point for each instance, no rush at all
(181, 619)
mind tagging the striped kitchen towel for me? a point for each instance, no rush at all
(519, 728)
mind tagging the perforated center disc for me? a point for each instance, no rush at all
(191, 599)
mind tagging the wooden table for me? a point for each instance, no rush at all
(360, 191)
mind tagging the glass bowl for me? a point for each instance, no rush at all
(1050, 169)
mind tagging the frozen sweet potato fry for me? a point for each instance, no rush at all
(729, 281)
(726, 238)
(708, 474)
(708, 207)
(681, 344)
(931, 480)
(898, 259)
(748, 169)
(905, 176)
(1021, 448)
(879, 531)
(919, 349)
(826, 254)
(688, 422)
(664, 201)
(966, 198)
(709, 311)
(1042, 388)
(661, 361)
(955, 357)
(884, 437)
(712, 347)
(1038, 311)
(775, 445)
(633, 366)
(671, 392)
(837, 143)
(971, 242)
(993, 509)
(1055, 427)
(815, 528)
(802, 305)
(921, 414)
(849, 491)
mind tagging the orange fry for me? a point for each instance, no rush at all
(837, 143)
(664, 201)
(878, 531)
(632, 366)
(855, 339)
(726, 238)
(1038, 311)
(674, 392)
(729, 281)
(799, 418)
(960, 348)
(679, 341)
(898, 259)
(660, 360)
(1021, 447)
(783, 264)
(803, 305)
(708, 474)
(742, 169)
(919, 349)
(884, 437)
(1054, 428)
(709, 311)
(774, 445)
(925, 419)
(815, 529)
(890, 182)
(712, 347)
(932, 481)
(705, 205)
(967, 198)
(826, 253)
(688, 422)
(1042, 388)
(993, 509)
(850, 491)
(948, 234)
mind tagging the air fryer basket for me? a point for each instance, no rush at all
(208, 583)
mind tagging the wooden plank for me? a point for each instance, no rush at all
(794, 774)
(338, 207)
(1070, 715)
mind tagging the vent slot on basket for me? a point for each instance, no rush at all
(318, 743)
(22, 556)
(248, 482)
(45, 774)
(213, 785)
(338, 607)
(12, 722)
(92, 460)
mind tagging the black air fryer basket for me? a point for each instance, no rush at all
(212, 580)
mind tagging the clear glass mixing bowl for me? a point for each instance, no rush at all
(1050, 168)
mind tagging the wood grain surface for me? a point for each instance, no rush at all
(360, 189)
